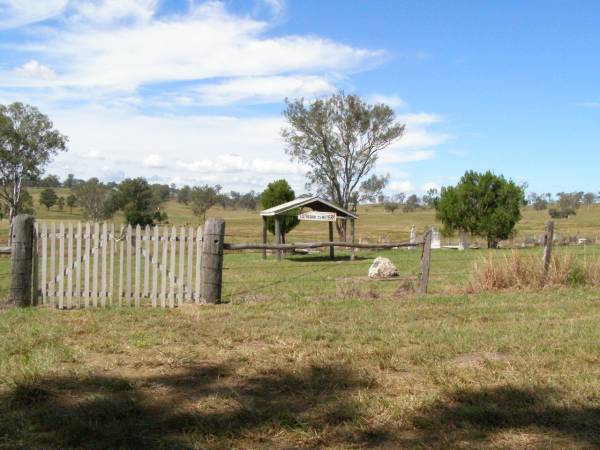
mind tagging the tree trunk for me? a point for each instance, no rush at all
(492, 243)
(341, 229)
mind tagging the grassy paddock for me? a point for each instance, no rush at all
(494, 370)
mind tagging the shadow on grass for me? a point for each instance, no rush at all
(204, 407)
(322, 258)
(476, 415)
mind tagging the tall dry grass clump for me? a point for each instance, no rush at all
(517, 271)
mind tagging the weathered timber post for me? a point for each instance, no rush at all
(352, 239)
(278, 236)
(36, 274)
(425, 259)
(264, 236)
(21, 260)
(212, 260)
(331, 250)
(548, 238)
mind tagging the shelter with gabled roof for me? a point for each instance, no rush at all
(321, 210)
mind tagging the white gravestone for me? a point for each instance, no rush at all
(435, 239)
(463, 243)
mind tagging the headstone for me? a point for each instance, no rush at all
(435, 239)
(413, 235)
(463, 243)
(382, 268)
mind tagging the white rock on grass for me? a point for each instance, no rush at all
(382, 268)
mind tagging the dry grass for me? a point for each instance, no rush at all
(516, 270)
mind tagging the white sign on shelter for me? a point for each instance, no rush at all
(318, 216)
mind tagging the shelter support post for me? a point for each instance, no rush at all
(352, 240)
(264, 236)
(331, 248)
(278, 235)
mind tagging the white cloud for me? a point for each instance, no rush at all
(401, 186)
(391, 100)
(209, 42)
(153, 161)
(16, 13)
(111, 11)
(34, 70)
(263, 89)
(430, 185)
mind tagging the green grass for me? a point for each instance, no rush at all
(308, 353)
(494, 370)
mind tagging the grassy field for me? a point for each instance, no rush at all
(308, 353)
(374, 223)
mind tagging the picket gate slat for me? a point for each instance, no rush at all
(111, 265)
(190, 261)
(155, 267)
(52, 286)
(121, 250)
(172, 268)
(146, 259)
(103, 245)
(61, 266)
(163, 281)
(78, 265)
(136, 285)
(86, 266)
(44, 263)
(128, 240)
(180, 271)
(199, 237)
(70, 266)
(95, 259)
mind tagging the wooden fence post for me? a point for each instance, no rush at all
(21, 260)
(425, 258)
(352, 239)
(264, 236)
(278, 236)
(548, 239)
(331, 250)
(212, 260)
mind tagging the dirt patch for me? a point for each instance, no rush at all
(477, 359)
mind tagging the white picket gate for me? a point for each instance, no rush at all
(88, 265)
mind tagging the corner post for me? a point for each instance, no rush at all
(278, 236)
(352, 240)
(212, 260)
(548, 238)
(425, 259)
(264, 236)
(331, 250)
(22, 260)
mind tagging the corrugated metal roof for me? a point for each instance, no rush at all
(309, 202)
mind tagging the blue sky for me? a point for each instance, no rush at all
(191, 91)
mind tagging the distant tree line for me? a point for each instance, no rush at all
(563, 205)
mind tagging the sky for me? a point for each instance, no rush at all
(192, 92)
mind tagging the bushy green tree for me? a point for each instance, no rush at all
(136, 198)
(483, 204)
(183, 195)
(276, 193)
(71, 202)
(48, 198)
(202, 198)
(93, 198)
(61, 203)
(28, 141)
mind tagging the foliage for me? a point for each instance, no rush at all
(48, 198)
(411, 203)
(339, 138)
(61, 203)
(276, 193)
(49, 181)
(161, 193)
(589, 199)
(136, 198)
(431, 197)
(483, 204)
(183, 195)
(539, 202)
(202, 198)
(28, 141)
(71, 201)
(373, 187)
(561, 213)
(93, 198)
